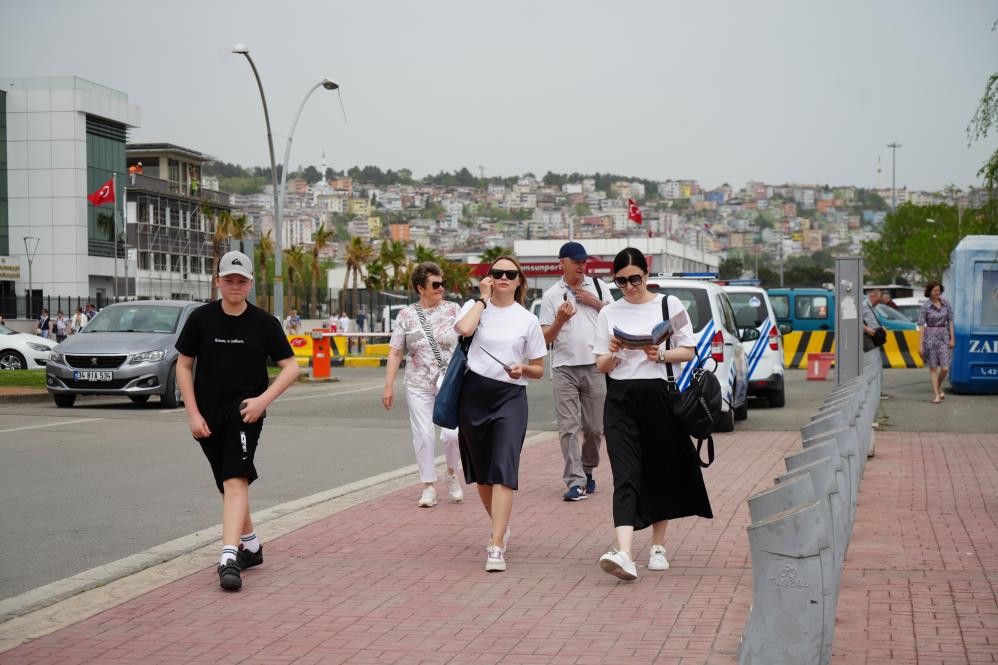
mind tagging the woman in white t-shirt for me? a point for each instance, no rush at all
(656, 472)
(507, 349)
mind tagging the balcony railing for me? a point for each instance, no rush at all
(144, 183)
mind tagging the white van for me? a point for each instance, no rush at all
(765, 354)
(717, 337)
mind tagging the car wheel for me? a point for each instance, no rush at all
(11, 359)
(741, 413)
(171, 398)
(139, 399)
(727, 422)
(64, 401)
(777, 397)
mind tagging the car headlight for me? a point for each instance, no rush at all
(55, 357)
(147, 357)
(39, 347)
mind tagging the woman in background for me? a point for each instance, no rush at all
(935, 323)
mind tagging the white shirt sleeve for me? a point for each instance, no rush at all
(601, 343)
(535, 346)
(684, 335)
(547, 308)
(607, 298)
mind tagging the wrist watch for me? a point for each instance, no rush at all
(661, 356)
(485, 303)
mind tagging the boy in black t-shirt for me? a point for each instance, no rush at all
(227, 400)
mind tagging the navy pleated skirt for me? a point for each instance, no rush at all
(492, 426)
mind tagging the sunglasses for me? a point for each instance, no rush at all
(633, 280)
(438, 285)
(510, 274)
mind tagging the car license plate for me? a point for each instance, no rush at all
(93, 376)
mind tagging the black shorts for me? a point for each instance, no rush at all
(230, 449)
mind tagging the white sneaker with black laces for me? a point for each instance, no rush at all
(428, 498)
(657, 560)
(496, 560)
(453, 488)
(619, 564)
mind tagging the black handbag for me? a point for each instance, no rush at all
(447, 403)
(698, 408)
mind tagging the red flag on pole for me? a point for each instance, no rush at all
(105, 194)
(633, 212)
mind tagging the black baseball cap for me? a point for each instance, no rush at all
(573, 250)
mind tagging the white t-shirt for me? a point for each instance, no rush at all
(344, 324)
(574, 344)
(512, 334)
(639, 320)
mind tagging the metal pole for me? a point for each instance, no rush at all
(278, 304)
(893, 146)
(781, 256)
(31, 258)
(114, 233)
(124, 230)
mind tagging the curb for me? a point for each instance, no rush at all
(53, 606)
(25, 398)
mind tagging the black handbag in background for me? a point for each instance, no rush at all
(698, 408)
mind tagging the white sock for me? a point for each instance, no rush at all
(251, 542)
(229, 553)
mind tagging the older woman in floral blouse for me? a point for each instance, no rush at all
(935, 321)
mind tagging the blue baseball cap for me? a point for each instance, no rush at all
(574, 251)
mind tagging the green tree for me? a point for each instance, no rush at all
(294, 260)
(492, 253)
(731, 268)
(984, 120)
(264, 252)
(320, 240)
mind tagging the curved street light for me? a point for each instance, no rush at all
(279, 192)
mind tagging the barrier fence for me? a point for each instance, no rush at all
(800, 528)
(900, 350)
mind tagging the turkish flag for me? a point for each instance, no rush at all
(633, 212)
(105, 194)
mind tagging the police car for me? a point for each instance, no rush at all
(717, 337)
(753, 309)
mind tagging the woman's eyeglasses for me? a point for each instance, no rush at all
(633, 280)
(510, 274)
(438, 285)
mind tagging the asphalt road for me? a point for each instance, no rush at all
(86, 486)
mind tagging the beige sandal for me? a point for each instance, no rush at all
(936, 399)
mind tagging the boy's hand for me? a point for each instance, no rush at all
(252, 409)
(199, 428)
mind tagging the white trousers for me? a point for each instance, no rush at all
(424, 434)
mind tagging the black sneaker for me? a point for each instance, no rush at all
(228, 575)
(575, 493)
(247, 559)
(590, 484)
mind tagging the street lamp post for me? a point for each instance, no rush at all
(242, 49)
(279, 224)
(30, 252)
(279, 192)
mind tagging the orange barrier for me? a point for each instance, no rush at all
(321, 350)
(818, 365)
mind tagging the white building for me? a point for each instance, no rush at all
(65, 137)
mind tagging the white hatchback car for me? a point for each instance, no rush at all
(717, 337)
(23, 351)
(765, 354)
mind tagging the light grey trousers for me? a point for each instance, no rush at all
(579, 393)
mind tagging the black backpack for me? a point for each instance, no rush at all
(698, 407)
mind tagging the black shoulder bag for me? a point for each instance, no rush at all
(698, 408)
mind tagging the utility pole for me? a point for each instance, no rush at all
(29, 250)
(894, 148)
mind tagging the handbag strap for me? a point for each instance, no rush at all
(710, 451)
(429, 337)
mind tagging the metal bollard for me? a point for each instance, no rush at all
(845, 440)
(781, 498)
(839, 502)
(790, 551)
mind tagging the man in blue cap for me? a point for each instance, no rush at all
(568, 319)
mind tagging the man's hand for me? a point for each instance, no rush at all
(388, 398)
(199, 428)
(252, 409)
(515, 371)
(564, 312)
(588, 299)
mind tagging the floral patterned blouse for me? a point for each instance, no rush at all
(421, 367)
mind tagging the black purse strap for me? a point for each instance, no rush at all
(710, 451)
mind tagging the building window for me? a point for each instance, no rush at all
(105, 157)
(159, 261)
(174, 263)
(195, 262)
(143, 260)
(4, 222)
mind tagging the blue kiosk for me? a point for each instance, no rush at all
(971, 284)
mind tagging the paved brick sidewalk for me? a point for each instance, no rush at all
(921, 575)
(385, 582)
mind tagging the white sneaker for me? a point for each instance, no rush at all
(619, 565)
(505, 541)
(428, 498)
(453, 487)
(496, 559)
(657, 560)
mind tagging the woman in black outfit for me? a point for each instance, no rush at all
(656, 472)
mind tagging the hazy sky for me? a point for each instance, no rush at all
(780, 91)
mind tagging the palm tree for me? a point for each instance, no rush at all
(240, 229)
(395, 256)
(458, 276)
(264, 250)
(358, 254)
(223, 229)
(424, 254)
(320, 240)
(294, 258)
(377, 276)
(492, 253)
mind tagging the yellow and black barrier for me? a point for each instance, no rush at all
(900, 350)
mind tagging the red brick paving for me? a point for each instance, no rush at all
(386, 582)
